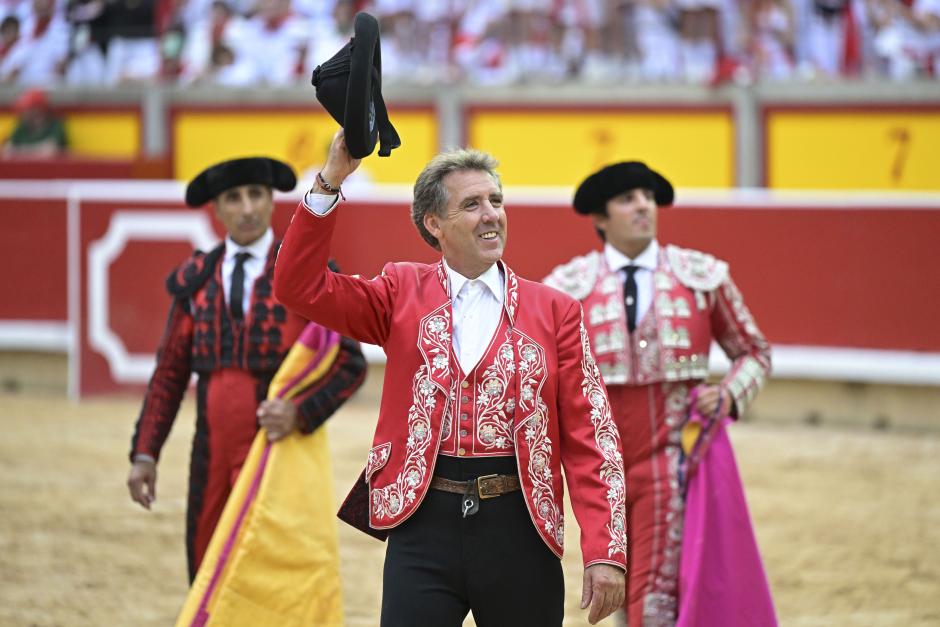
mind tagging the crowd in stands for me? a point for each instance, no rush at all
(279, 42)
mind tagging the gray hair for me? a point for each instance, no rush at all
(430, 194)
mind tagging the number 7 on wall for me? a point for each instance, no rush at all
(902, 136)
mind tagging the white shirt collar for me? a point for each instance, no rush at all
(258, 248)
(647, 259)
(492, 279)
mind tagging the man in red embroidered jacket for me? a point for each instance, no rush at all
(226, 326)
(490, 389)
(652, 313)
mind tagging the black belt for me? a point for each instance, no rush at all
(485, 487)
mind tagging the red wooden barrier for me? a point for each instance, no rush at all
(816, 273)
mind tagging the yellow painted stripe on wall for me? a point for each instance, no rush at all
(104, 134)
(691, 148)
(301, 139)
(107, 134)
(853, 150)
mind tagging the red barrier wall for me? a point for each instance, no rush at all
(136, 303)
(814, 275)
(33, 254)
(85, 168)
(865, 278)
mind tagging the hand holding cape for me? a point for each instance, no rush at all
(273, 558)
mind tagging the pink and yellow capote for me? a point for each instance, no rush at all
(273, 559)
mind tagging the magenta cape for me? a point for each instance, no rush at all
(721, 579)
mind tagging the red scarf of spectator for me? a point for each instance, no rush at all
(218, 29)
(42, 25)
(852, 45)
(276, 23)
(5, 48)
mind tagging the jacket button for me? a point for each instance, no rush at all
(464, 399)
(465, 384)
(461, 451)
(464, 416)
(463, 433)
(642, 343)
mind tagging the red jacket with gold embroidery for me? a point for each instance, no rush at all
(694, 302)
(561, 416)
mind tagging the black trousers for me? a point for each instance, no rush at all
(439, 566)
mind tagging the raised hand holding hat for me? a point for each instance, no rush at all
(349, 86)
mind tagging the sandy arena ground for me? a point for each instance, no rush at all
(848, 518)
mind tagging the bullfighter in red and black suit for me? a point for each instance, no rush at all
(226, 326)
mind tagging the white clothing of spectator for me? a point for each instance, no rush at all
(226, 70)
(897, 43)
(658, 40)
(326, 41)
(277, 43)
(221, 26)
(195, 11)
(824, 29)
(385, 8)
(9, 35)
(400, 51)
(132, 60)
(927, 18)
(535, 40)
(605, 32)
(87, 63)
(39, 56)
(133, 54)
(20, 9)
(330, 33)
(770, 33)
(434, 20)
(700, 39)
(732, 24)
(480, 47)
(318, 10)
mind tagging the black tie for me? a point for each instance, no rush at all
(629, 296)
(237, 293)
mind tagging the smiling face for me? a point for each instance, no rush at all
(630, 223)
(245, 211)
(472, 229)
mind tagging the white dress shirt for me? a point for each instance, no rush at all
(646, 261)
(477, 307)
(254, 265)
(320, 204)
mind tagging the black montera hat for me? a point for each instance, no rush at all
(222, 176)
(597, 189)
(349, 86)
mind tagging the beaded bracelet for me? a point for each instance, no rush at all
(329, 188)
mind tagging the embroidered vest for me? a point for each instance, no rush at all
(672, 341)
(480, 417)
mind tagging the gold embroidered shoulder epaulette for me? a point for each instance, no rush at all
(696, 269)
(576, 277)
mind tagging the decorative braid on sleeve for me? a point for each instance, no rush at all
(167, 384)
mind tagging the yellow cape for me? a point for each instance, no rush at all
(273, 558)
